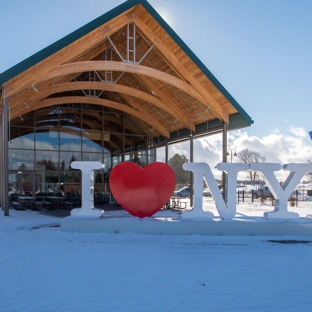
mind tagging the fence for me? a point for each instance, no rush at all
(243, 196)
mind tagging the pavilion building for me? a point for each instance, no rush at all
(114, 90)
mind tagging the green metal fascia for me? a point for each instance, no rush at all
(203, 129)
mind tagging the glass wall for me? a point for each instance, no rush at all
(40, 153)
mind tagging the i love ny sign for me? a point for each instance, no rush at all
(142, 192)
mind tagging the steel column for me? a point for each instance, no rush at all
(166, 152)
(123, 148)
(4, 163)
(1, 160)
(191, 172)
(224, 156)
(147, 146)
(155, 153)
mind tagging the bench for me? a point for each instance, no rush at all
(18, 206)
(37, 205)
(68, 205)
(47, 204)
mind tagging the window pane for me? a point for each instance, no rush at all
(142, 159)
(115, 143)
(92, 157)
(134, 143)
(49, 181)
(13, 187)
(91, 141)
(107, 161)
(67, 158)
(73, 177)
(116, 159)
(72, 182)
(101, 187)
(23, 142)
(47, 140)
(47, 160)
(70, 140)
(21, 160)
(151, 156)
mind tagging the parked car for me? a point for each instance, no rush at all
(206, 192)
(263, 191)
(183, 192)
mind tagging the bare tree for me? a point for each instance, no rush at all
(247, 156)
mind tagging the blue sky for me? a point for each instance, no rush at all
(259, 50)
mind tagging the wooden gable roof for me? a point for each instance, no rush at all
(128, 60)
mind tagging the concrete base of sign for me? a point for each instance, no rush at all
(178, 226)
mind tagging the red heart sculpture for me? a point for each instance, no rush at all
(142, 192)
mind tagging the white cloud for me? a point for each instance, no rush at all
(276, 148)
(298, 131)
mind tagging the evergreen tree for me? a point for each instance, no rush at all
(176, 163)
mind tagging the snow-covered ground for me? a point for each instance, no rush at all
(43, 269)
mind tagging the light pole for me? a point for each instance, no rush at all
(231, 152)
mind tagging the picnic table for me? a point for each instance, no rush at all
(56, 201)
(176, 202)
(26, 201)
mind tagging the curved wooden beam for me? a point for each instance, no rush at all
(86, 66)
(91, 100)
(105, 86)
(80, 67)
